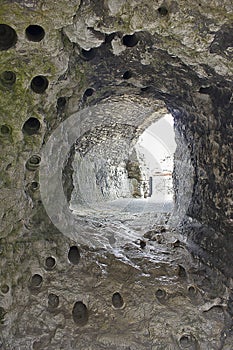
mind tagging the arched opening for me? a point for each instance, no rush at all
(128, 173)
(124, 171)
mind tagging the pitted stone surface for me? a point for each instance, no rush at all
(175, 283)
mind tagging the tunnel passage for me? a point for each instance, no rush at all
(98, 71)
(114, 165)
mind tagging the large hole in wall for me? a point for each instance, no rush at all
(116, 169)
(113, 171)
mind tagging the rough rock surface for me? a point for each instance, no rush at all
(115, 280)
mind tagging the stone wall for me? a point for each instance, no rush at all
(126, 284)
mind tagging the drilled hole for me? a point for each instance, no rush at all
(192, 291)
(35, 186)
(89, 92)
(5, 289)
(74, 255)
(187, 341)
(130, 40)
(160, 294)
(88, 54)
(5, 130)
(61, 103)
(80, 313)
(39, 84)
(50, 263)
(127, 75)
(8, 78)
(8, 37)
(33, 162)
(117, 300)
(36, 281)
(163, 11)
(181, 272)
(53, 301)
(34, 33)
(31, 126)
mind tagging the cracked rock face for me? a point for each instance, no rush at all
(80, 81)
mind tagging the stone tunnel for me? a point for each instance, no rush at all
(88, 263)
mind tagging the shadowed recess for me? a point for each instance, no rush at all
(39, 84)
(74, 255)
(53, 301)
(5, 130)
(163, 11)
(34, 33)
(33, 162)
(5, 289)
(8, 78)
(127, 75)
(117, 300)
(31, 126)
(80, 313)
(130, 40)
(50, 263)
(8, 37)
(89, 92)
(187, 341)
(88, 54)
(160, 294)
(35, 186)
(36, 281)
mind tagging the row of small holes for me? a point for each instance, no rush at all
(38, 84)
(36, 33)
(50, 262)
(8, 36)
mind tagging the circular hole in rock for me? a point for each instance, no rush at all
(160, 294)
(130, 40)
(187, 341)
(5, 130)
(181, 272)
(35, 33)
(163, 11)
(5, 288)
(117, 300)
(35, 186)
(33, 162)
(31, 126)
(39, 84)
(50, 263)
(53, 301)
(8, 78)
(36, 281)
(89, 92)
(8, 37)
(192, 291)
(37, 345)
(61, 102)
(88, 54)
(74, 255)
(127, 75)
(80, 313)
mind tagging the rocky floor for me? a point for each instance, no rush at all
(144, 291)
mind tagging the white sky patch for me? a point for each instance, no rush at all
(157, 145)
